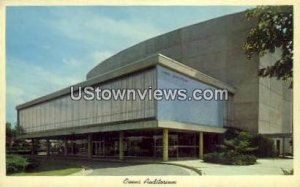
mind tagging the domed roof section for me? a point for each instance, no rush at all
(177, 44)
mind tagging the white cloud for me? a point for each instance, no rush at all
(94, 28)
(93, 31)
(71, 62)
(26, 82)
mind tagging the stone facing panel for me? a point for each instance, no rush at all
(63, 112)
(275, 101)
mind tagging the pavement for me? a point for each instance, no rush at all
(262, 167)
(176, 167)
(131, 169)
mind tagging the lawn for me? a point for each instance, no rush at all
(51, 168)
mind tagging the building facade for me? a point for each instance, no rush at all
(207, 55)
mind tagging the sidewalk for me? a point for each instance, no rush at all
(262, 167)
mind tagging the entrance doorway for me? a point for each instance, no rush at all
(98, 148)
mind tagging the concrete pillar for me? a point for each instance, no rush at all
(283, 153)
(48, 146)
(195, 144)
(292, 145)
(165, 144)
(66, 146)
(90, 146)
(32, 146)
(121, 145)
(72, 147)
(201, 145)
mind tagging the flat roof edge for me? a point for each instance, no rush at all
(153, 60)
(190, 126)
(132, 125)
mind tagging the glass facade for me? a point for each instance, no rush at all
(146, 144)
(137, 144)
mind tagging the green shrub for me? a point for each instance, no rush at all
(237, 149)
(229, 158)
(212, 157)
(238, 143)
(15, 163)
(244, 160)
(231, 133)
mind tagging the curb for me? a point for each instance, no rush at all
(199, 172)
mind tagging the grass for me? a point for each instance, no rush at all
(51, 168)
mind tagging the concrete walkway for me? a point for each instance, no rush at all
(131, 169)
(262, 167)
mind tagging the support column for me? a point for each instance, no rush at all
(121, 145)
(66, 146)
(72, 146)
(32, 146)
(48, 147)
(195, 145)
(165, 144)
(90, 146)
(201, 145)
(283, 153)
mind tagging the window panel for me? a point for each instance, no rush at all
(68, 111)
(63, 112)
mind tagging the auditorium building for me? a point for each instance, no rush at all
(207, 55)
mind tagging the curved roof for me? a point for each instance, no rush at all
(177, 44)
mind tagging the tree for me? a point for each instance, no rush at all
(240, 144)
(10, 133)
(13, 144)
(274, 30)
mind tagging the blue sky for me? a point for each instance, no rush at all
(49, 48)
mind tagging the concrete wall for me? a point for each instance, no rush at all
(275, 101)
(212, 47)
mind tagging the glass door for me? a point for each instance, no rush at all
(98, 148)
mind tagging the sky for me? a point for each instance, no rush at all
(50, 48)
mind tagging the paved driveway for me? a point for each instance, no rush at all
(125, 169)
(262, 167)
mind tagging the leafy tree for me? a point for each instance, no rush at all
(274, 29)
(10, 131)
(11, 142)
